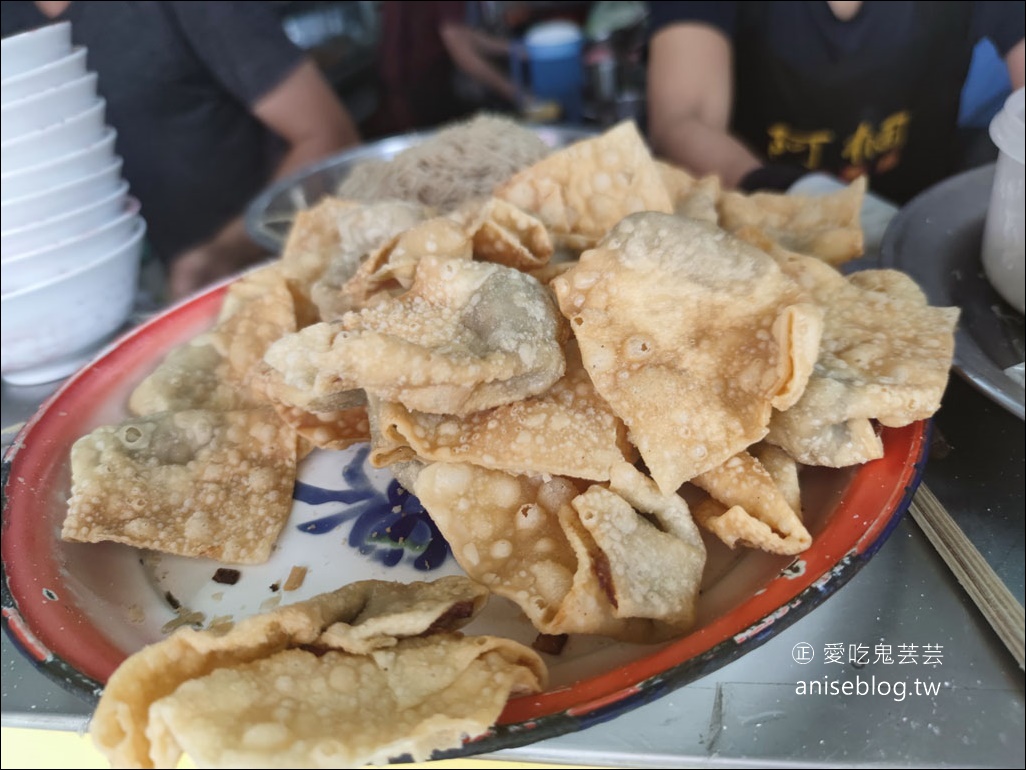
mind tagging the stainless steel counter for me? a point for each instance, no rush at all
(750, 712)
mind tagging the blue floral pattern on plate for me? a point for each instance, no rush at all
(386, 525)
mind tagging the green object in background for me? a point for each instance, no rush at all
(609, 16)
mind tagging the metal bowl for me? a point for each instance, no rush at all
(269, 216)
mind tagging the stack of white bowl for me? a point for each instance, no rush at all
(71, 236)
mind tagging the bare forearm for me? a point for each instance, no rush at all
(306, 114)
(460, 42)
(317, 146)
(233, 238)
(704, 150)
(337, 134)
(489, 45)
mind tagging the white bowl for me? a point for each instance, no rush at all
(50, 75)
(33, 49)
(60, 228)
(59, 171)
(46, 204)
(47, 108)
(41, 265)
(52, 328)
(44, 145)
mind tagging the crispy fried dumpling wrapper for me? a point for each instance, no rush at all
(693, 198)
(328, 242)
(378, 614)
(389, 270)
(692, 336)
(504, 531)
(747, 507)
(336, 429)
(467, 336)
(650, 555)
(314, 239)
(299, 709)
(832, 445)
(294, 396)
(195, 483)
(835, 445)
(574, 563)
(191, 376)
(212, 371)
(581, 191)
(885, 355)
(258, 309)
(569, 430)
(545, 274)
(503, 233)
(783, 469)
(823, 226)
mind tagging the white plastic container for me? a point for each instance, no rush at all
(1004, 233)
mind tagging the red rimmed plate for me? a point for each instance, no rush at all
(77, 610)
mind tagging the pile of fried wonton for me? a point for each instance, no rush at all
(573, 374)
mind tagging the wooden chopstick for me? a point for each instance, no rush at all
(985, 588)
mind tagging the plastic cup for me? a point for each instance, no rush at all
(1004, 233)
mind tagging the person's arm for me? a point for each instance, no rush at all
(690, 98)
(469, 49)
(308, 116)
(1015, 59)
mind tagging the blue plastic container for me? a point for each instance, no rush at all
(551, 52)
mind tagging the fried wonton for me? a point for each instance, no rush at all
(213, 370)
(783, 469)
(333, 429)
(623, 561)
(258, 309)
(388, 271)
(747, 507)
(692, 336)
(332, 709)
(194, 483)
(581, 191)
(467, 336)
(191, 376)
(503, 233)
(314, 240)
(218, 694)
(824, 226)
(884, 355)
(650, 555)
(569, 430)
(345, 234)
(693, 198)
